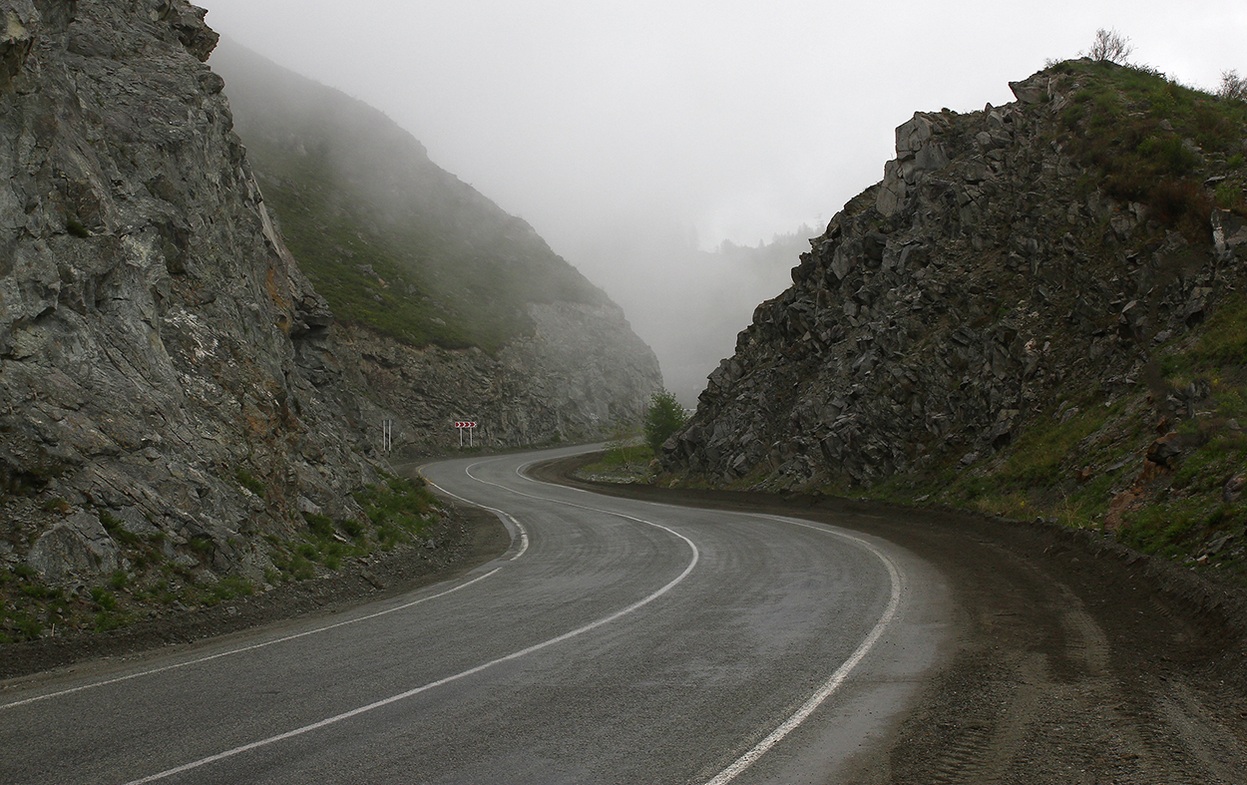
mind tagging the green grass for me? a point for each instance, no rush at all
(397, 511)
(1152, 140)
(1175, 528)
(628, 458)
(398, 506)
(411, 267)
(229, 587)
(1043, 450)
(117, 530)
(1220, 346)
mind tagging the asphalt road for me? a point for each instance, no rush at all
(618, 641)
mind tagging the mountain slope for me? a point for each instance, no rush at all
(457, 309)
(1038, 311)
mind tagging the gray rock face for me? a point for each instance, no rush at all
(77, 547)
(165, 366)
(154, 332)
(581, 372)
(980, 284)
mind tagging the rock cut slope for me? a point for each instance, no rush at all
(1030, 298)
(183, 418)
(154, 330)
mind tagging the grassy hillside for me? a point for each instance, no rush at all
(1154, 141)
(1160, 459)
(390, 239)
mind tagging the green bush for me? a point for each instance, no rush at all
(75, 228)
(105, 599)
(1151, 139)
(231, 587)
(397, 502)
(1169, 154)
(117, 530)
(664, 417)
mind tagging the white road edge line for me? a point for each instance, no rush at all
(523, 533)
(253, 647)
(523, 536)
(833, 682)
(431, 685)
(841, 674)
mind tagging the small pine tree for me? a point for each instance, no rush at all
(664, 417)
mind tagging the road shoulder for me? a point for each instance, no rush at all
(1072, 659)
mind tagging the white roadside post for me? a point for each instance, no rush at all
(463, 425)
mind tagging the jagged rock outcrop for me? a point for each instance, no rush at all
(997, 277)
(455, 309)
(154, 331)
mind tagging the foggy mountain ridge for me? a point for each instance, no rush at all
(458, 309)
(455, 272)
(393, 240)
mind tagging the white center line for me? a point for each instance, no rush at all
(431, 685)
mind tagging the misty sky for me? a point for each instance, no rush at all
(629, 132)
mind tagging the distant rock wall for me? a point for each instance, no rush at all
(580, 375)
(154, 332)
(984, 281)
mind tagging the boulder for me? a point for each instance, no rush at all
(78, 548)
(1166, 450)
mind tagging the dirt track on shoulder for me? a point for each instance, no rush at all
(1074, 660)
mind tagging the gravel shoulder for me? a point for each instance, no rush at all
(1074, 660)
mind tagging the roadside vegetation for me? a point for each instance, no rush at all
(1154, 141)
(159, 577)
(630, 455)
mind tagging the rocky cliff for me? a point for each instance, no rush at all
(183, 419)
(1031, 297)
(455, 309)
(155, 334)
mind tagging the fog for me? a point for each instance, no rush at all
(635, 136)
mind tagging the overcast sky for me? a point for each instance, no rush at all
(623, 129)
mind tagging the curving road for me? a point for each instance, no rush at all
(618, 641)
